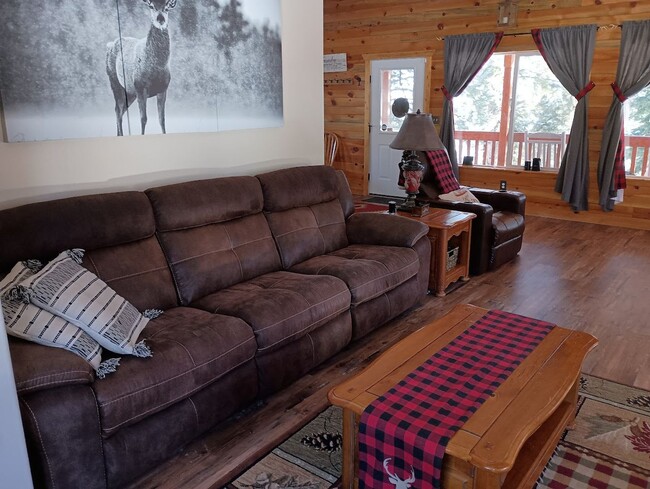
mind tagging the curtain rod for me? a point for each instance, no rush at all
(605, 27)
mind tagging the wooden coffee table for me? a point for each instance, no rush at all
(509, 439)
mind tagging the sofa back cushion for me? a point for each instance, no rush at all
(117, 230)
(214, 233)
(345, 194)
(304, 212)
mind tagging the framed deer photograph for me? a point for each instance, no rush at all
(89, 68)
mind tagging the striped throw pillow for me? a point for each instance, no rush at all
(31, 323)
(72, 292)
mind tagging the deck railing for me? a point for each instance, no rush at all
(488, 149)
(637, 149)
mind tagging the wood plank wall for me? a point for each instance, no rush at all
(378, 28)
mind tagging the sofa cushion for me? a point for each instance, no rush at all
(117, 230)
(298, 187)
(44, 229)
(137, 271)
(281, 306)
(214, 234)
(305, 232)
(304, 212)
(192, 348)
(369, 271)
(212, 200)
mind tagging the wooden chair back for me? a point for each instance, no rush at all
(331, 147)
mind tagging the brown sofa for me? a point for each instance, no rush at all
(261, 279)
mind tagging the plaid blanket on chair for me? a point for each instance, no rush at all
(442, 171)
(403, 434)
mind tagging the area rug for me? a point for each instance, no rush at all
(609, 447)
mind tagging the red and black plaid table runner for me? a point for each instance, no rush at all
(403, 434)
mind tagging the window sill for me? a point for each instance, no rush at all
(515, 169)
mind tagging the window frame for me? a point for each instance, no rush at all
(512, 106)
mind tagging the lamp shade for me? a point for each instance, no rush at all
(418, 134)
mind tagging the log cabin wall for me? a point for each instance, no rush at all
(366, 29)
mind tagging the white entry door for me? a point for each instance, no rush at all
(391, 79)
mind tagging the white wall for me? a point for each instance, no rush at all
(38, 171)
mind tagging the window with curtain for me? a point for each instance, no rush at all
(514, 110)
(637, 134)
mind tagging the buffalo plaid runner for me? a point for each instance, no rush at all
(442, 171)
(403, 434)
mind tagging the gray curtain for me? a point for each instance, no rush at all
(464, 57)
(569, 53)
(632, 76)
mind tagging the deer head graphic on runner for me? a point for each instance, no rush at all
(396, 481)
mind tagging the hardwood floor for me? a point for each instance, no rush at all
(581, 276)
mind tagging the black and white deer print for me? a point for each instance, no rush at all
(139, 68)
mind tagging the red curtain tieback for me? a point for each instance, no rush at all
(618, 92)
(588, 88)
(446, 93)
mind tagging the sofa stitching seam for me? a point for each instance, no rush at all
(101, 439)
(131, 275)
(176, 376)
(232, 247)
(51, 375)
(40, 439)
(311, 306)
(171, 401)
(336, 313)
(384, 276)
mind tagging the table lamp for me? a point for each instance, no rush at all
(416, 134)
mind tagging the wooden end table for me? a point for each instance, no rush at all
(510, 438)
(444, 225)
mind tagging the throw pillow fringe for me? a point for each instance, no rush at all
(142, 350)
(18, 293)
(34, 265)
(152, 313)
(542, 479)
(77, 254)
(107, 367)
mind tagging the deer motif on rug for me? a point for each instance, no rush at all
(139, 68)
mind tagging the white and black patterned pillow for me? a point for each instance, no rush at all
(70, 291)
(31, 323)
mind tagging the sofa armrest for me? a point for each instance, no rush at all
(38, 367)
(384, 229)
(482, 210)
(502, 201)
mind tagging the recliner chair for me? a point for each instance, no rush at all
(497, 231)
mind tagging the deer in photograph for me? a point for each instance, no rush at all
(139, 68)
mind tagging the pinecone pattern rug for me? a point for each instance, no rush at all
(609, 447)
